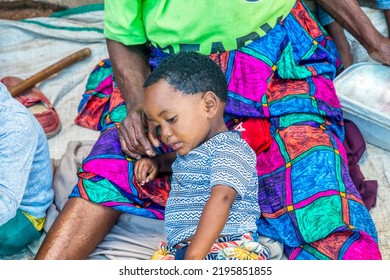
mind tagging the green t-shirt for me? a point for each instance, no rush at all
(205, 26)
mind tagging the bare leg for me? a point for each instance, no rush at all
(337, 33)
(78, 229)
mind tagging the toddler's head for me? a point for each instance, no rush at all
(185, 99)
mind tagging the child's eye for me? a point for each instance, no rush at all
(171, 120)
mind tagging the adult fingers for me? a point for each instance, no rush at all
(153, 134)
(134, 138)
(126, 145)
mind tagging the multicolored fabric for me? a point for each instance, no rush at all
(93, 108)
(232, 247)
(307, 198)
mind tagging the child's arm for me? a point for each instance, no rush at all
(212, 222)
(164, 162)
(146, 169)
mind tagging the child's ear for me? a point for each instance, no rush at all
(211, 102)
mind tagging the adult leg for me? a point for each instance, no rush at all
(337, 33)
(78, 229)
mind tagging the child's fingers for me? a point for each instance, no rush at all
(152, 174)
(141, 170)
(144, 170)
(137, 170)
(143, 173)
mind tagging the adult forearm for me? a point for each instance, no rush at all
(387, 18)
(130, 67)
(350, 16)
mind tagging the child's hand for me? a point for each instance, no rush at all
(145, 170)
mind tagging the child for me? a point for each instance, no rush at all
(213, 203)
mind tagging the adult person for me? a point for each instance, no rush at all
(25, 175)
(279, 65)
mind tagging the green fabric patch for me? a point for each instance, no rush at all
(103, 191)
(118, 114)
(315, 225)
(16, 234)
(288, 120)
(288, 68)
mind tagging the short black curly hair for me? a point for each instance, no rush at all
(190, 72)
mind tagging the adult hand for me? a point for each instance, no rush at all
(381, 53)
(133, 138)
(130, 66)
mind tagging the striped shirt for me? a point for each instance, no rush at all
(225, 159)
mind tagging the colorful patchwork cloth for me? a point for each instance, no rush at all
(307, 198)
(234, 247)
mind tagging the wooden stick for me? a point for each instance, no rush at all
(47, 72)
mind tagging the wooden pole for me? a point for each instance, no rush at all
(49, 71)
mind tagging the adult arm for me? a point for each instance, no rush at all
(351, 17)
(212, 222)
(131, 68)
(387, 18)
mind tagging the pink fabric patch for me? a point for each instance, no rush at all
(106, 168)
(105, 86)
(269, 160)
(249, 77)
(342, 150)
(365, 248)
(325, 91)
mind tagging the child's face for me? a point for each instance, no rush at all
(181, 118)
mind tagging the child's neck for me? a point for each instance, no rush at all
(216, 128)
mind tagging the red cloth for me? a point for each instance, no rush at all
(256, 132)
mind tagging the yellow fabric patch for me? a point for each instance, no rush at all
(37, 222)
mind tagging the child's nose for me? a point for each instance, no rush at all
(165, 133)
